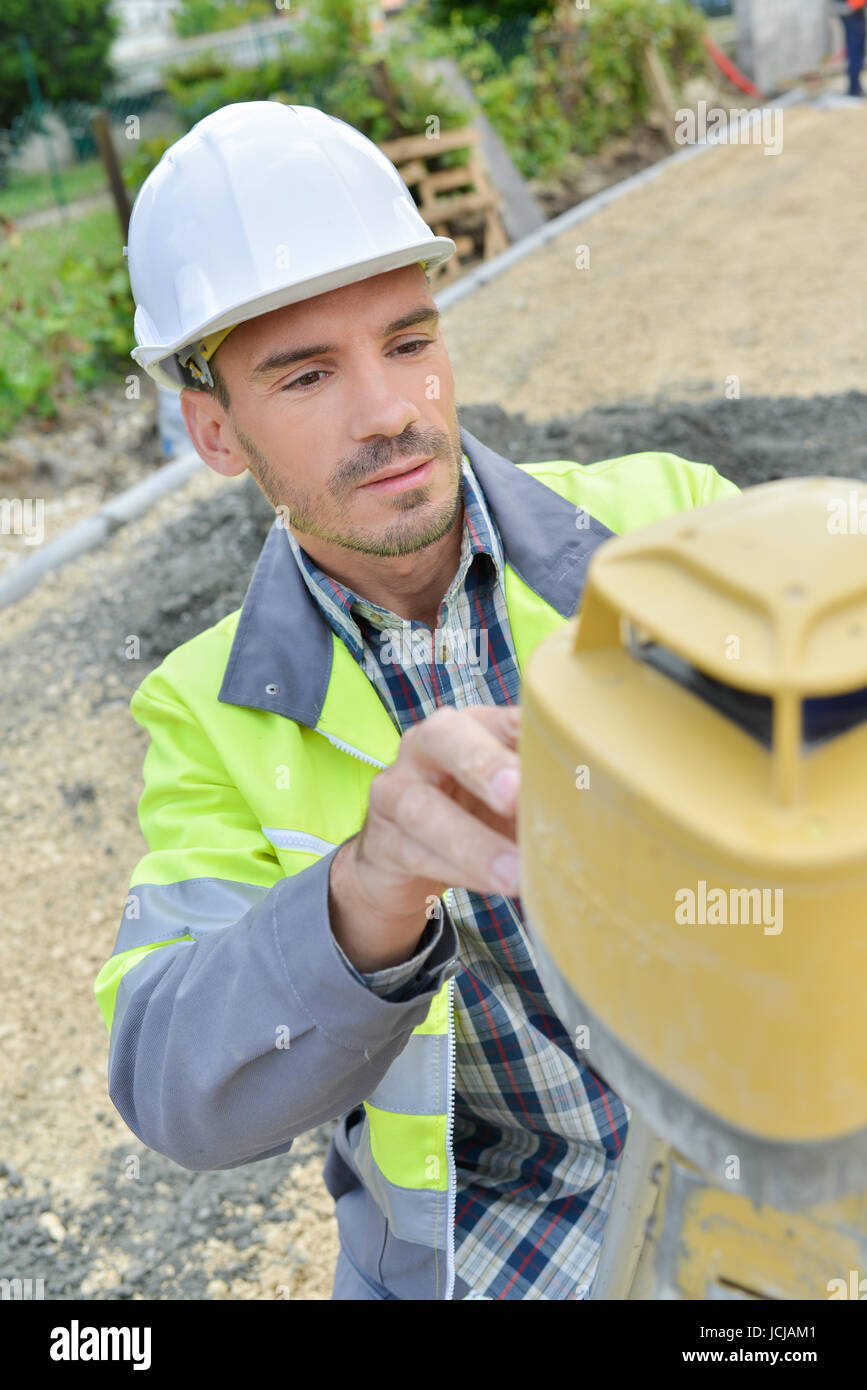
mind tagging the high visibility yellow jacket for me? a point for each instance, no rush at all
(235, 1026)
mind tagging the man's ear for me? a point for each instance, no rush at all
(212, 438)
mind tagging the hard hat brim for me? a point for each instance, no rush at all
(161, 364)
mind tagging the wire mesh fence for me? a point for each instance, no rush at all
(49, 154)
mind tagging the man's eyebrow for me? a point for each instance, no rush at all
(422, 314)
(276, 361)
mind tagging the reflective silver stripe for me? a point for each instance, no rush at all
(297, 839)
(195, 906)
(417, 1082)
(418, 1214)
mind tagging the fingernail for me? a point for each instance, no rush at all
(505, 784)
(507, 869)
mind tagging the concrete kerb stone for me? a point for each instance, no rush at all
(138, 499)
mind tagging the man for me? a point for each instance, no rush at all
(327, 923)
(851, 12)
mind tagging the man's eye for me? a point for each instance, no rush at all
(292, 384)
(417, 345)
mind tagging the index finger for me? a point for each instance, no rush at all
(473, 746)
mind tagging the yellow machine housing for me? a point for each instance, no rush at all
(693, 831)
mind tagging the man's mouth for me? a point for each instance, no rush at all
(409, 475)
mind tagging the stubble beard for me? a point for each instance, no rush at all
(308, 515)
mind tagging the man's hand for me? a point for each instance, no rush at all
(434, 820)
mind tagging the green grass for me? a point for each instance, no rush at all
(65, 315)
(33, 192)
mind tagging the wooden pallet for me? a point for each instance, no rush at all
(448, 198)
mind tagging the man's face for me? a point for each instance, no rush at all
(328, 393)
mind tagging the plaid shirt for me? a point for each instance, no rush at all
(537, 1135)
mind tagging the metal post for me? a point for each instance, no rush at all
(108, 155)
(39, 106)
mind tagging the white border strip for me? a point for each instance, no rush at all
(139, 498)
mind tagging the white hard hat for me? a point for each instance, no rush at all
(261, 205)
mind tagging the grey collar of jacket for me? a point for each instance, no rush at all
(282, 652)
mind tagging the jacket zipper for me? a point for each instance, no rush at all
(450, 1157)
(453, 1182)
(348, 748)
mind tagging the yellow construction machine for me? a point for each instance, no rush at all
(693, 830)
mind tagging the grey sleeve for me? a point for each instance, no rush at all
(404, 980)
(226, 1047)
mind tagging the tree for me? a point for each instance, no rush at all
(69, 41)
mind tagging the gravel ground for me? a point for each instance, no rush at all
(95, 449)
(82, 1203)
(734, 270)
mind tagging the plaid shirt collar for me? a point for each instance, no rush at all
(341, 604)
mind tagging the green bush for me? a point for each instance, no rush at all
(613, 37)
(474, 14)
(579, 80)
(332, 69)
(67, 323)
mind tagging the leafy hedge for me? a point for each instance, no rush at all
(579, 79)
(66, 311)
(334, 68)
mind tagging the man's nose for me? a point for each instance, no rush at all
(378, 403)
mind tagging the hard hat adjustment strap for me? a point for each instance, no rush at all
(195, 357)
(197, 364)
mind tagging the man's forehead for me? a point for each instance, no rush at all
(381, 295)
(280, 344)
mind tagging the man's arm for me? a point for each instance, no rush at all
(236, 1021)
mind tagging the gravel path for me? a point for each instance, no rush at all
(733, 264)
(725, 265)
